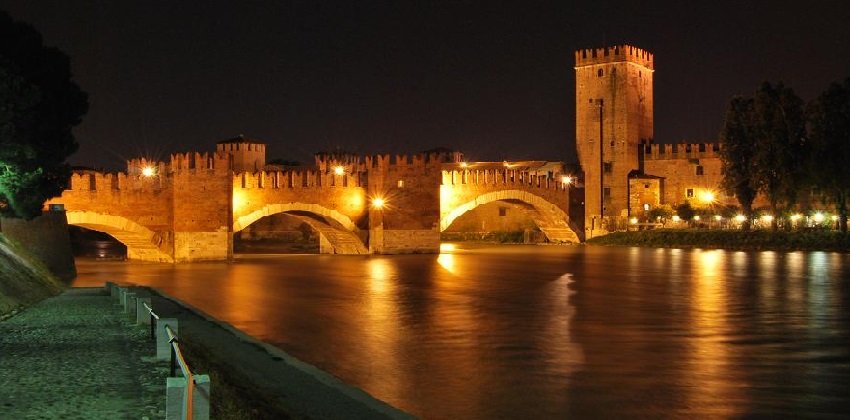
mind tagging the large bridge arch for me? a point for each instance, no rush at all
(337, 237)
(550, 218)
(142, 243)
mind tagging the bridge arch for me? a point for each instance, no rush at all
(550, 218)
(142, 243)
(337, 232)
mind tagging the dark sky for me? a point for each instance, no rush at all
(493, 79)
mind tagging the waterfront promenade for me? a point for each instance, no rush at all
(78, 356)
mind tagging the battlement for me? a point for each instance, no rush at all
(419, 160)
(504, 176)
(240, 144)
(617, 53)
(110, 181)
(298, 178)
(215, 161)
(680, 151)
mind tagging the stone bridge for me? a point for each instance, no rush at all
(188, 209)
(544, 195)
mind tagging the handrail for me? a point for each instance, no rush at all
(177, 355)
(154, 318)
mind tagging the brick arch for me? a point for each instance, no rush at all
(142, 243)
(340, 236)
(553, 221)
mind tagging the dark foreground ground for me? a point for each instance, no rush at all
(78, 356)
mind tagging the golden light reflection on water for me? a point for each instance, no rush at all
(383, 328)
(713, 380)
(447, 261)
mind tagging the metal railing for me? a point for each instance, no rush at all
(154, 318)
(178, 359)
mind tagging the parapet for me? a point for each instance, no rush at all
(240, 144)
(617, 53)
(680, 151)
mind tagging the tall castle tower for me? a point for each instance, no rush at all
(613, 117)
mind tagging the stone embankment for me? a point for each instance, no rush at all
(254, 380)
(24, 280)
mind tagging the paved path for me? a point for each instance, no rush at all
(78, 356)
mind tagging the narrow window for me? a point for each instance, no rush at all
(689, 193)
(401, 183)
(607, 167)
(503, 211)
(606, 193)
(599, 73)
(700, 170)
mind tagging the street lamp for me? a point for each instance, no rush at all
(148, 171)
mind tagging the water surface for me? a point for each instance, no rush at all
(545, 331)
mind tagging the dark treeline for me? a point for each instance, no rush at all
(777, 145)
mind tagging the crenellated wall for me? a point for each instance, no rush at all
(614, 116)
(187, 209)
(463, 188)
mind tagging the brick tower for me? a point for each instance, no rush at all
(613, 116)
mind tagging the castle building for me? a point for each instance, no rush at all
(625, 174)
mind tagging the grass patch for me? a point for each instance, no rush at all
(814, 240)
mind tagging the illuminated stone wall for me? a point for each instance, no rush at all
(544, 195)
(619, 80)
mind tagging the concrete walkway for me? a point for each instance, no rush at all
(78, 356)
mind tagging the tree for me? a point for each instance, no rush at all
(829, 124)
(738, 153)
(779, 131)
(39, 105)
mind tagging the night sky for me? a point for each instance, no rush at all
(492, 79)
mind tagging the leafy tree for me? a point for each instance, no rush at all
(685, 211)
(738, 153)
(829, 123)
(779, 132)
(662, 212)
(39, 104)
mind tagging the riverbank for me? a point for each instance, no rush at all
(754, 240)
(78, 356)
(254, 380)
(24, 279)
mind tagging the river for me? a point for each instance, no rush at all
(545, 331)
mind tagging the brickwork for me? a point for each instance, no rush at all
(614, 115)
(545, 194)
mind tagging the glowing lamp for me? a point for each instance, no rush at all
(706, 197)
(676, 218)
(767, 218)
(818, 217)
(795, 217)
(464, 164)
(148, 171)
(566, 179)
(696, 217)
(718, 217)
(740, 218)
(339, 170)
(378, 203)
(633, 220)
